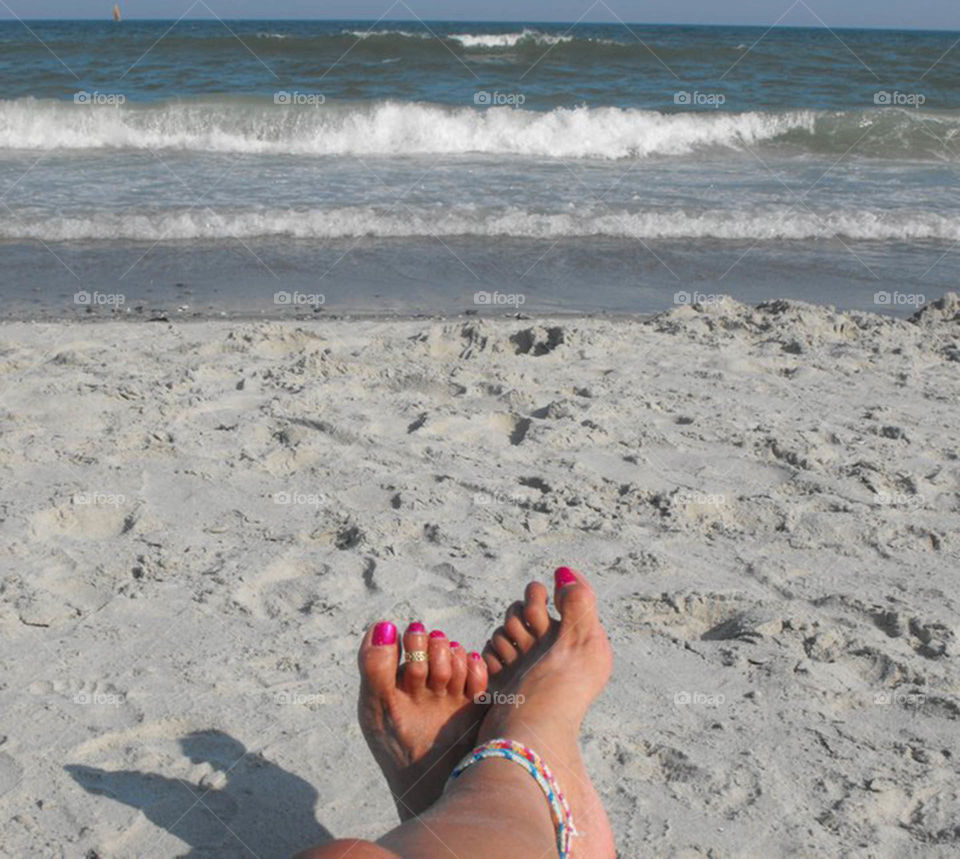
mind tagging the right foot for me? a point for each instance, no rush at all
(420, 718)
(554, 670)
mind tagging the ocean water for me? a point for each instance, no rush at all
(299, 167)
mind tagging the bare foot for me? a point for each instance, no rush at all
(544, 675)
(421, 718)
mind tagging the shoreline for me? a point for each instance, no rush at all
(372, 316)
(173, 316)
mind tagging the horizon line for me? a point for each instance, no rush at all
(556, 23)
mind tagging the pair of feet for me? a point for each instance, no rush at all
(533, 682)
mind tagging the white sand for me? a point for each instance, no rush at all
(768, 501)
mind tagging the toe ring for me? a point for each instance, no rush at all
(415, 656)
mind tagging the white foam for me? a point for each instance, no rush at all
(758, 225)
(508, 40)
(374, 34)
(384, 128)
(471, 40)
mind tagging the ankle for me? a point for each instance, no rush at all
(509, 792)
(561, 732)
(494, 801)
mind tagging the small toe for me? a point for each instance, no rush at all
(491, 660)
(502, 645)
(458, 669)
(516, 628)
(535, 611)
(440, 661)
(378, 658)
(476, 675)
(414, 672)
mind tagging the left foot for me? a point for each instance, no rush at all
(421, 718)
(545, 673)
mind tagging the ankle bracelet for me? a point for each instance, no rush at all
(533, 764)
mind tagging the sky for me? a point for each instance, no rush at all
(895, 14)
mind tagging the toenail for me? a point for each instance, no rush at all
(564, 576)
(416, 626)
(384, 633)
(437, 634)
(454, 644)
(475, 655)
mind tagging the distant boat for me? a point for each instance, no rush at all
(116, 13)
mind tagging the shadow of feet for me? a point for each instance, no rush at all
(258, 810)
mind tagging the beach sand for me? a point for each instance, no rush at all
(198, 520)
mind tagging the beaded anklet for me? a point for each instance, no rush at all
(532, 763)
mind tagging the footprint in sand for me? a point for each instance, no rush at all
(494, 429)
(693, 616)
(88, 516)
(288, 589)
(96, 703)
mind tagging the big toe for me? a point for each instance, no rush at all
(378, 658)
(577, 603)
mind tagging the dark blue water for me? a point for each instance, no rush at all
(407, 166)
(445, 63)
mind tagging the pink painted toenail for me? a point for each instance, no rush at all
(564, 576)
(384, 633)
(437, 634)
(416, 626)
(475, 655)
(454, 644)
